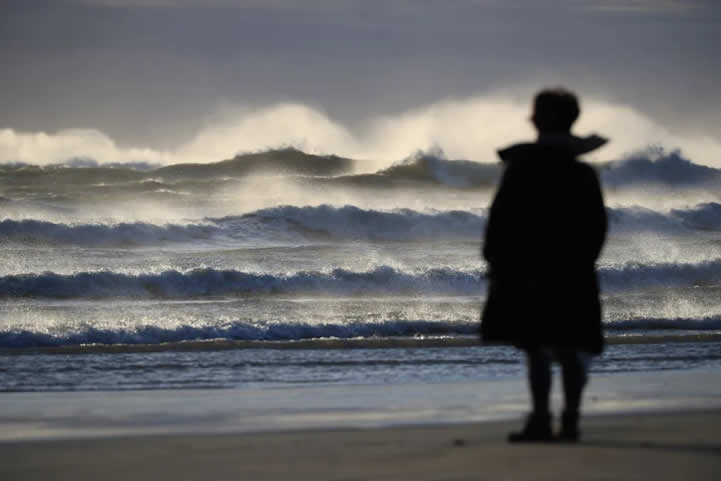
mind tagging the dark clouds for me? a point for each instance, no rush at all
(147, 71)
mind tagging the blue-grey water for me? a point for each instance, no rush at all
(302, 272)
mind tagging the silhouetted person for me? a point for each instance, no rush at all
(545, 230)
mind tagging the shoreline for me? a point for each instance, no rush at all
(329, 343)
(682, 444)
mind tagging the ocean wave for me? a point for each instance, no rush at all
(429, 169)
(285, 160)
(656, 166)
(383, 280)
(121, 234)
(282, 223)
(82, 178)
(248, 334)
(350, 222)
(650, 167)
(328, 223)
(711, 323)
(636, 275)
(88, 163)
(653, 166)
(289, 161)
(240, 331)
(706, 216)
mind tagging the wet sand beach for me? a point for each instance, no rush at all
(655, 446)
(660, 425)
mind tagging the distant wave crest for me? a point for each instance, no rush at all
(656, 166)
(428, 168)
(650, 166)
(212, 282)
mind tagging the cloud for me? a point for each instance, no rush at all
(468, 128)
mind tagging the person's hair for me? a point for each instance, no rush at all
(555, 110)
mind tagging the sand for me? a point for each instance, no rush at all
(681, 445)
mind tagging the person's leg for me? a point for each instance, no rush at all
(539, 379)
(538, 425)
(574, 366)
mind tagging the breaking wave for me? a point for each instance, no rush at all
(383, 280)
(428, 169)
(655, 166)
(245, 331)
(289, 161)
(286, 160)
(652, 166)
(365, 334)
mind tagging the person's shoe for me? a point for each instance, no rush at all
(569, 428)
(536, 430)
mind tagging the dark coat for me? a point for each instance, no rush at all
(546, 227)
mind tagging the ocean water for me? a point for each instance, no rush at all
(281, 268)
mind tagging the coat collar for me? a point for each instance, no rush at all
(568, 143)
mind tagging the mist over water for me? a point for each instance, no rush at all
(465, 128)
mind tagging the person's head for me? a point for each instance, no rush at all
(555, 110)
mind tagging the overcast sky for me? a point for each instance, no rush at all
(151, 72)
